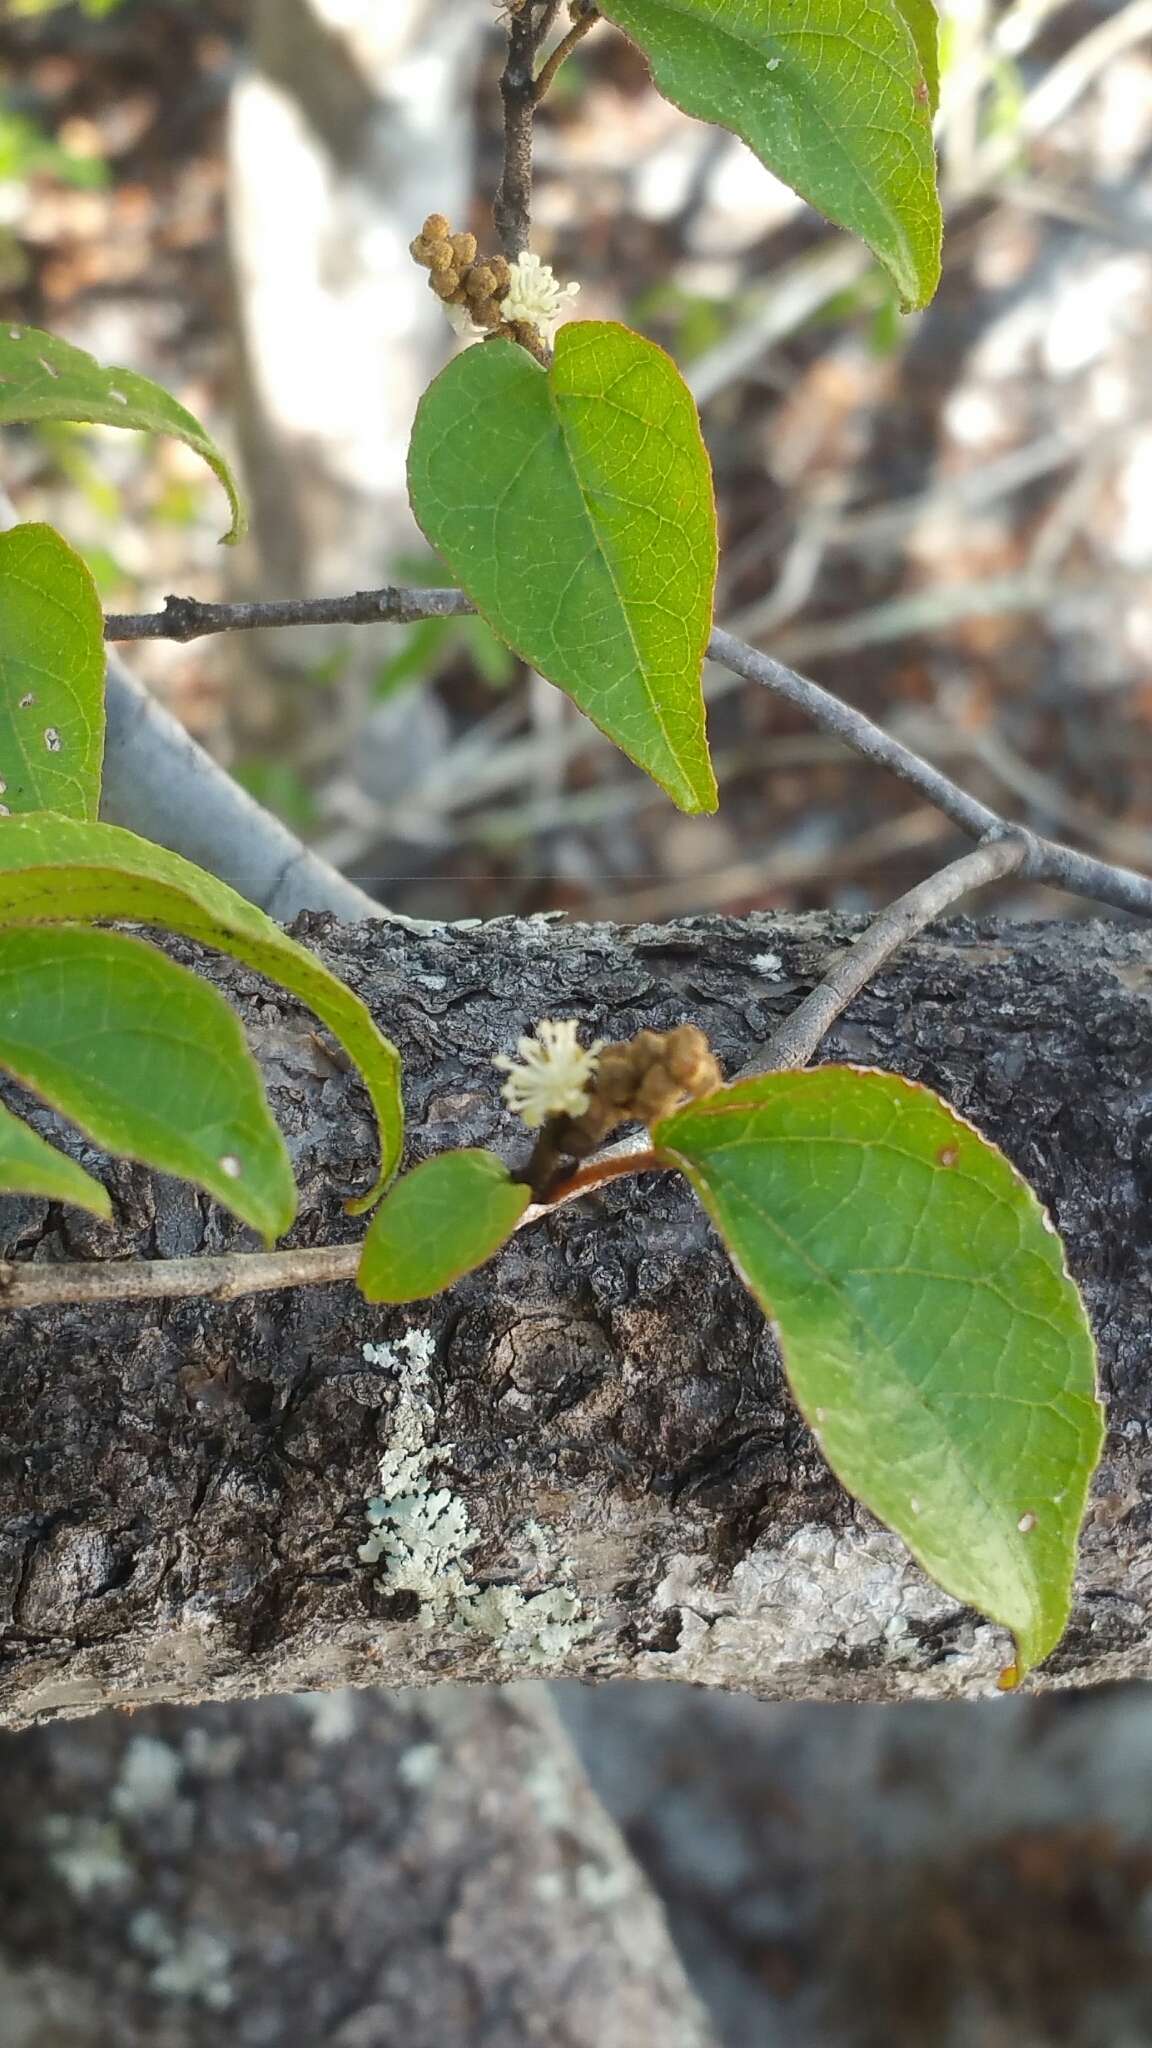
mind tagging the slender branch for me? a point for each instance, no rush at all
(563, 50)
(798, 1037)
(855, 729)
(1062, 867)
(186, 618)
(227, 1277)
(512, 207)
(1046, 860)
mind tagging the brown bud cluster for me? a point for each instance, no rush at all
(637, 1080)
(645, 1077)
(458, 276)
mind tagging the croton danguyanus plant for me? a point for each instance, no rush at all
(931, 1334)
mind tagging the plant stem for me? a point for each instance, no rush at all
(563, 50)
(800, 1035)
(593, 1175)
(1046, 860)
(225, 1278)
(512, 207)
(186, 618)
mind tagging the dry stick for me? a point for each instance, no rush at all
(1046, 861)
(186, 618)
(563, 50)
(225, 1278)
(800, 1034)
(512, 206)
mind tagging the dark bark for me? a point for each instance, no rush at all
(610, 1480)
(351, 1869)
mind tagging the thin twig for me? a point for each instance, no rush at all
(226, 1278)
(563, 51)
(186, 618)
(800, 1035)
(1047, 861)
(512, 207)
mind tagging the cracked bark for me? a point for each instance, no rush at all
(352, 1869)
(183, 1485)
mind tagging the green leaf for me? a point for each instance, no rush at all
(832, 97)
(44, 378)
(924, 27)
(29, 1166)
(51, 676)
(54, 870)
(934, 1341)
(440, 1221)
(575, 507)
(147, 1059)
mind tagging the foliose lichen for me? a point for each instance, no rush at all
(421, 1533)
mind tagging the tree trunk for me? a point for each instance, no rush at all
(588, 1462)
(342, 1868)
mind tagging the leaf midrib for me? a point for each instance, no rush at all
(601, 550)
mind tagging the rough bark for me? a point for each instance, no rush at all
(342, 1868)
(609, 1477)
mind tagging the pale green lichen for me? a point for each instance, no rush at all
(87, 1853)
(333, 1714)
(421, 1533)
(419, 1766)
(149, 1777)
(189, 1963)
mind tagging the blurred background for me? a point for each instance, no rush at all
(947, 519)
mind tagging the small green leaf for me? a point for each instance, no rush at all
(441, 1220)
(29, 1166)
(924, 27)
(51, 676)
(54, 870)
(575, 507)
(934, 1341)
(830, 94)
(147, 1059)
(44, 378)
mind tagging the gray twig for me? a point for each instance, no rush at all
(528, 24)
(1046, 860)
(227, 1276)
(800, 1035)
(186, 618)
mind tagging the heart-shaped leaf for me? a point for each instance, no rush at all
(933, 1339)
(51, 676)
(29, 1166)
(831, 95)
(147, 1059)
(441, 1220)
(54, 870)
(575, 507)
(44, 378)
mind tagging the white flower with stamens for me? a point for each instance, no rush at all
(552, 1075)
(534, 295)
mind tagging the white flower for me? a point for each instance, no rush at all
(553, 1073)
(535, 296)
